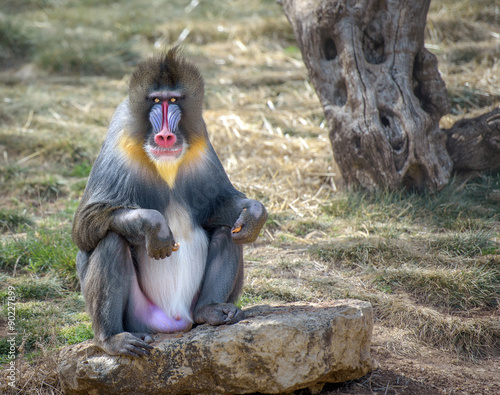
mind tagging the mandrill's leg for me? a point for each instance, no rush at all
(107, 276)
(222, 282)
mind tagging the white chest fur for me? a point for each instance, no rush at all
(172, 283)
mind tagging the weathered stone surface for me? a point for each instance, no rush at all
(276, 349)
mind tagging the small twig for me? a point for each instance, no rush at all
(31, 156)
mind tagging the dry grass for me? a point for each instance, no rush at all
(465, 37)
(429, 264)
(36, 372)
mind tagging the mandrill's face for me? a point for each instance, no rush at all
(165, 99)
(166, 141)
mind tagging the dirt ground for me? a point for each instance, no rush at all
(410, 368)
(403, 364)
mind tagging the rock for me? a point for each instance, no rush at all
(276, 349)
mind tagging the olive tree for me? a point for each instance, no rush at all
(383, 96)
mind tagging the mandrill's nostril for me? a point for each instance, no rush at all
(165, 140)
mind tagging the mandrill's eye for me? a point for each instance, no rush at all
(172, 100)
(156, 100)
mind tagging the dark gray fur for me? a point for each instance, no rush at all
(122, 209)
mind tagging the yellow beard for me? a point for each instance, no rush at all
(166, 169)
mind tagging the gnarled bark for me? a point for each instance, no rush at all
(474, 144)
(379, 87)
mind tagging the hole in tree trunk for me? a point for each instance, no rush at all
(385, 121)
(393, 130)
(356, 140)
(329, 52)
(329, 49)
(396, 136)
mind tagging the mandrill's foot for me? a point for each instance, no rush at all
(218, 314)
(126, 343)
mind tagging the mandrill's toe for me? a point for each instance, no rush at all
(219, 314)
(126, 343)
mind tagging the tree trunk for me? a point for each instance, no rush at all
(379, 87)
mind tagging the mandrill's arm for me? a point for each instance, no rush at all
(223, 279)
(138, 226)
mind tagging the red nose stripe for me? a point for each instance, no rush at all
(164, 108)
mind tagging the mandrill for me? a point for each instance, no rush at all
(160, 226)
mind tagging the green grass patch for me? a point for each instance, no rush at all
(81, 169)
(453, 289)
(304, 227)
(248, 299)
(16, 38)
(41, 251)
(57, 322)
(34, 288)
(272, 290)
(76, 333)
(13, 221)
(455, 208)
(465, 97)
(363, 254)
(469, 337)
(46, 188)
(292, 50)
(89, 57)
(467, 244)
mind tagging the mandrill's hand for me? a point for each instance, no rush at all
(160, 242)
(248, 225)
(145, 227)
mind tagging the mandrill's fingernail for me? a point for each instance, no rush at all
(236, 230)
(175, 247)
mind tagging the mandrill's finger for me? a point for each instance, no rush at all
(237, 226)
